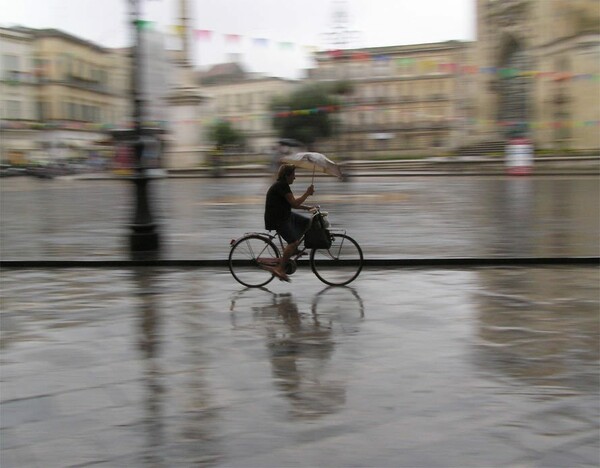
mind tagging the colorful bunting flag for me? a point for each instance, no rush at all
(178, 29)
(381, 58)
(232, 38)
(260, 42)
(143, 24)
(203, 34)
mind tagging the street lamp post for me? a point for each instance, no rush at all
(144, 236)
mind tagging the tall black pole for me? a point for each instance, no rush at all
(144, 236)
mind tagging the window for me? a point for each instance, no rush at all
(381, 66)
(562, 64)
(103, 77)
(13, 110)
(64, 65)
(11, 67)
(43, 110)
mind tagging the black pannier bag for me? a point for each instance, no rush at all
(317, 236)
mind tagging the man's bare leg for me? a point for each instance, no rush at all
(287, 254)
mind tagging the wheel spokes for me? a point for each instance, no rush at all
(248, 259)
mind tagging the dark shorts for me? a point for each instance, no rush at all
(292, 229)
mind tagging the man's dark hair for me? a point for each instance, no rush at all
(285, 170)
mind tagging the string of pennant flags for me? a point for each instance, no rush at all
(406, 64)
(463, 120)
(419, 115)
(451, 68)
(208, 35)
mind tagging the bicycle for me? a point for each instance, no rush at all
(252, 254)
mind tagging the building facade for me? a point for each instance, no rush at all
(533, 71)
(539, 62)
(78, 96)
(75, 80)
(244, 100)
(17, 96)
(410, 99)
(64, 92)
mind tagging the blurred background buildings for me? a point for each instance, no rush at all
(532, 71)
(543, 59)
(244, 100)
(402, 99)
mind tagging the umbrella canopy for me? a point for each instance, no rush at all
(289, 142)
(315, 162)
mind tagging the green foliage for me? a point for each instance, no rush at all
(313, 122)
(222, 133)
(341, 88)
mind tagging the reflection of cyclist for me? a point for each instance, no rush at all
(279, 216)
(299, 351)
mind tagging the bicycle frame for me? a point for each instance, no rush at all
(278, 240)
(321, 261)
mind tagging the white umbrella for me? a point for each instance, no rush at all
(315, 162)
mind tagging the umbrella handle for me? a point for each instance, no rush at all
(313, 176)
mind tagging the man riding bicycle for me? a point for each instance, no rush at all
(279, 215)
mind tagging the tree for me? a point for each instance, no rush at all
(223, 134)
(305, 115)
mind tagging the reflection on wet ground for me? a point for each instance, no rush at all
(408, 368)
(389, 216)
(301, 344)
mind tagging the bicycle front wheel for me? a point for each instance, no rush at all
(247, 259)
(340, 264)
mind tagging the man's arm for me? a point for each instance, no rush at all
(298, 202)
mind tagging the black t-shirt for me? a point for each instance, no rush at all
(277, 208)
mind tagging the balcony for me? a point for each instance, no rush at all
(85, 84)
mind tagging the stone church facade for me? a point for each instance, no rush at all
(539, 62)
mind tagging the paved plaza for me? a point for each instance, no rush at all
(181, 367)
(427, 368)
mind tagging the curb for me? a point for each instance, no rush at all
(373, 262)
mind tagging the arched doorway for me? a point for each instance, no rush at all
(514, 108)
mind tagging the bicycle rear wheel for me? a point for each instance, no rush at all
(340, 264)
(246, 257)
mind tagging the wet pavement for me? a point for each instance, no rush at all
(162, 367)
(407, 368)
(391, 217)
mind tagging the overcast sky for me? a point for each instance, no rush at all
(287, 26)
